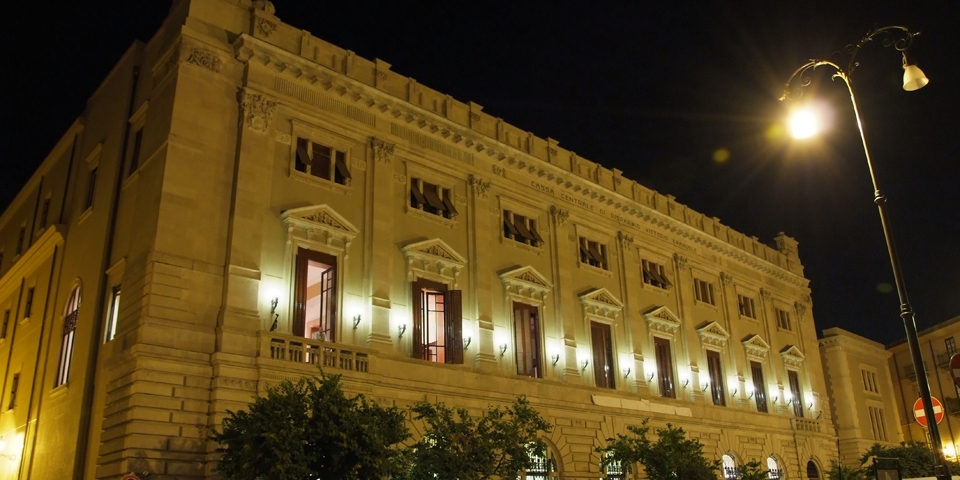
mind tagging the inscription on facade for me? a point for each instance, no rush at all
(542, 188)
(576, 201)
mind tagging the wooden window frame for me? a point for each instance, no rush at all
(452, 318)
(664, 359)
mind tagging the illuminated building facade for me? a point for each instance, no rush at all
(242, 201)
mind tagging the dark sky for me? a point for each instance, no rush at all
(652, 90)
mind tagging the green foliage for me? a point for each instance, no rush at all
(753, 470)
(671, 457)
(916, 459)
(310, 429)
(457, 446)
(846, 473)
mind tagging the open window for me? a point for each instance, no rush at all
(315, 307)
(603, 368)
(526, 340)
(322, 161)
(437, 322)
(70, 313)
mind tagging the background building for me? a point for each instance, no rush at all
(242, 201)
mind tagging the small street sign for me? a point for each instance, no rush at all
(955, 368)
(921, 417)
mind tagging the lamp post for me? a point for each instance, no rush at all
(900, 39)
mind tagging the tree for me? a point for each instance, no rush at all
(916, 459)
(671, 457)
(753, 470)
(310, 429)
(456, 446)
(843, 472)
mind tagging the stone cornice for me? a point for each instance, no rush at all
(580, 191)
(39, 252)
(852, 345)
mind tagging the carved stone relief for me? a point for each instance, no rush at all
(258, 111)
(382, 150)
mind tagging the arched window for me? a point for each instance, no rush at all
(543, 466)
(730, 470)
(813, 473)
(775, 472)
(70, 312)
(616, 471)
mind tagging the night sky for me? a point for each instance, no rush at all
(655, 91)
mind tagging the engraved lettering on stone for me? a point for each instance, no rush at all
(480, 186)
(498, 170)
(258, 110)
(382, 151)
(205, 58)
(264, 26)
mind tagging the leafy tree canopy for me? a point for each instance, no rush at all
(916, 459)
(843, 472)
(753, 470)
(310, 429)
(456, 446)
(672, 456)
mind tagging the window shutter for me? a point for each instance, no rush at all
(416, 197)
(303, 159)
(536, 234)
(331, 306)
(449, 204)
(418, 320)
(508, 225)
(300, 293)
(430, 193)
(342, 166)
(453, 325)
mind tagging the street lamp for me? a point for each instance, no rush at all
(900, 39)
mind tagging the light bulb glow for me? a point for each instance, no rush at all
(804, 123)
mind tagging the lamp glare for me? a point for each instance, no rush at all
(804, 124)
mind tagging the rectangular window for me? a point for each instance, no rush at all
(703, 291)
(437, 323)
(602, 355)
(20, 238)
(520, 228)
(878, 424)
(747, 307)
(6, 323)
(593, 253)
(951, 346)
(44, 213)
(664, 367)
(783, 320)
(14, 384)
(322, 161)
(91, 184)
(315, 296)
(432, 199)
(759, 386)
(135, 152)
(796, 393)
(716, 378)
(28, 304)
(654, 274)
(113, 313)
(526, 340)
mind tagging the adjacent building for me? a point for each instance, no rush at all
(242, 202)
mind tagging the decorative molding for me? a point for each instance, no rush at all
(358, 163)
(766, 294)
(559, 215)
(662, 320)
(205, 58)
(800, 308)
(480, 186)
(382, 151)
(264, 26)
(499, 171)
(726, 279)
(756, 346)
(283, 138)
(713, 334)
(434, 260)
(625, 240)
(601, 303)
(399, 178)
(792, 356)
(527, 283)
(681, 261)
(321, 224)
(258, 111)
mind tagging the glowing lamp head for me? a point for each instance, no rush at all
(913, 78)
(804, 123)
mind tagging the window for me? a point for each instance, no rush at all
(795, 393)
(774, 472)
(28, 304)
(869, 381)
(759, 387)
(615, 470)
(593, 253)
(703, 291)
(878, 424)
(664, 367)
(654, 274)
(113, 312)
(6, 323)
(783, 320)
(542, 465)
(315, 296)
(730, 470)
(602, 355)
(322, 161)
(135, 151)
(526, 340)
(13, 391)
(747, 307)
(813, 473)
(91, 184)
(70, 313)
(437, 323)
(20, 238)
(432, 198)
(44, 213)
(520, 228)
(951, 346)
(716, 378)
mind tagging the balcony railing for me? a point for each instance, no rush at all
(805, 425)
(315, 352)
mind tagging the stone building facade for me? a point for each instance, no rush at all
(242, 201)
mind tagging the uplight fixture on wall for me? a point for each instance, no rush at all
(775, 398)
(583, 365)
(401, 329)
(650, 376)
(626, 372)
(273, 313)
(704, 387)
(686, 382)
(555, 358)
(503, 349)
(466, 342)
(734, 391)
(750, 395)
(356, 321)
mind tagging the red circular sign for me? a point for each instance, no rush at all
(955, 368)
(921, 417)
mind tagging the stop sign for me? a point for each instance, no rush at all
(921, 416)
(955, 368)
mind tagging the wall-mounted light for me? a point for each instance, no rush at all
(356, 321)
(503, 349)
(704, 387)
(650, 376)
(734, 391)
(626, 372)
(775, 398)
(555, 358)
(401, 329)
(583, 365)
(273, 312)
(810, 406)
(686, 382)
(819, 414)
(3, 448)
(751, 394)
(466, 342)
